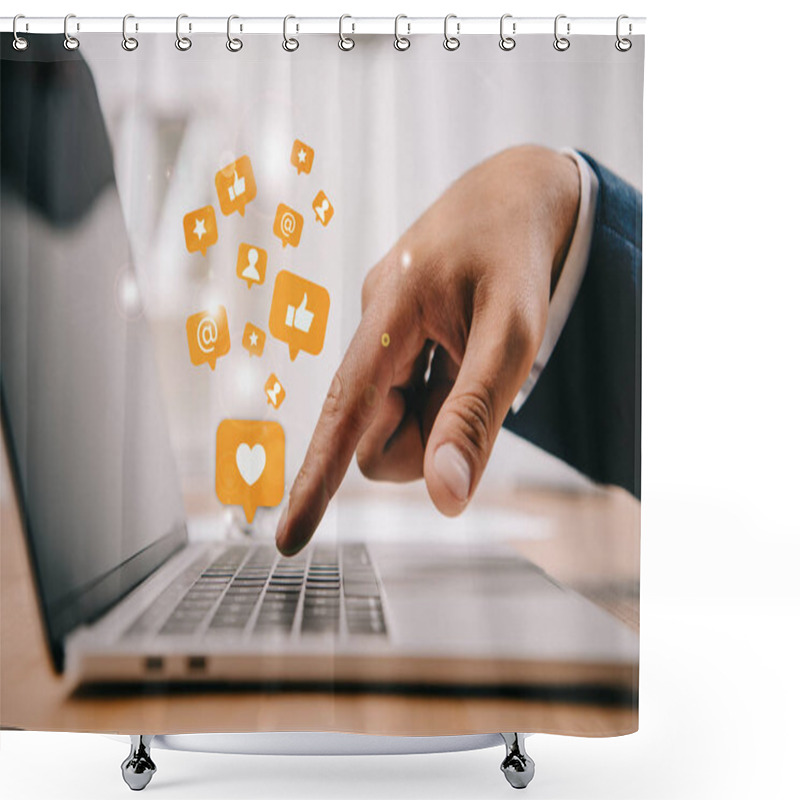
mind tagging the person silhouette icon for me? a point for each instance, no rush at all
(250, 272)
(251, 264)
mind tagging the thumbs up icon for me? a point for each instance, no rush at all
(290, 318)
(238, 186)
(300, 317)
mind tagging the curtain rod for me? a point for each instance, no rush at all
(461, 26)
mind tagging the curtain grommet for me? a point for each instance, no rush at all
(507, 42)
(70, 42)
(623, 44)
(289, 44)
(346, 43)
(401, 43)
(561, 43)
(129, 43)
(183, 43)
(451, 43)
(233, 44)
(19, 43)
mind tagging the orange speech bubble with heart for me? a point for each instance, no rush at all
(250, 464)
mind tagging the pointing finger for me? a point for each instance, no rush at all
(357, 392)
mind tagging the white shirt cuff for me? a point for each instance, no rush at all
(569, 281)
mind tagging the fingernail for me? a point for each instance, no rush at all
(281, 529)
(454, 471)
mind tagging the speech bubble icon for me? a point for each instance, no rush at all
(250, 464)
(251, 264)
(200, 229)
(236, 186)
(253, 339)
(299, 313)
(208, 336)
(274, 391)
(302, 156)
(288, 225)
(323, 210)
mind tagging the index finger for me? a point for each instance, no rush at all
(357, 391)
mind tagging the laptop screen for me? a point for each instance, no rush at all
(84, 420)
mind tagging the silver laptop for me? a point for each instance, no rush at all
(126, 597)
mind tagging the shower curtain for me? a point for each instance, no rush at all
(326, 361)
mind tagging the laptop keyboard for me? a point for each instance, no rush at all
(250, 590)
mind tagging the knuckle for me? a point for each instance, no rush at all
(347, 412)
(475, 413)
(521, 336)
(334, 399)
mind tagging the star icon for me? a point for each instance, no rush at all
(254, 339)
(301, 156)
(199, 228)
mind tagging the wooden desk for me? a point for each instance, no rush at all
(596, 551)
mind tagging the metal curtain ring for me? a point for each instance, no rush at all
(345, 42)
(507, 42)
(561, 43)
(70, 42)
(451, 42)
(401, 42)
(183, 43)
(20, 42)
(233, 44)
(289, 44)
(129, 43)
(623, 45)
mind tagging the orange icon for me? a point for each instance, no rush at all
(288, 225)
(208, 336)
(200, 229)
(254, 339)
(302, 156)
(322, 208)
(236, 186)
(275, 393)
(299, 313)
(251, 264)
(250, 456)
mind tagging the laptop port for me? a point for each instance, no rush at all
(153, 663)
(196, 663)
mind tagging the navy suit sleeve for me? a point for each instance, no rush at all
(586, 406)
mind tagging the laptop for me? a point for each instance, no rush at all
(128, 597)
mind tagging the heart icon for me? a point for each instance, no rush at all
(251, 462)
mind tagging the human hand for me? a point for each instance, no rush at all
(452, 319)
